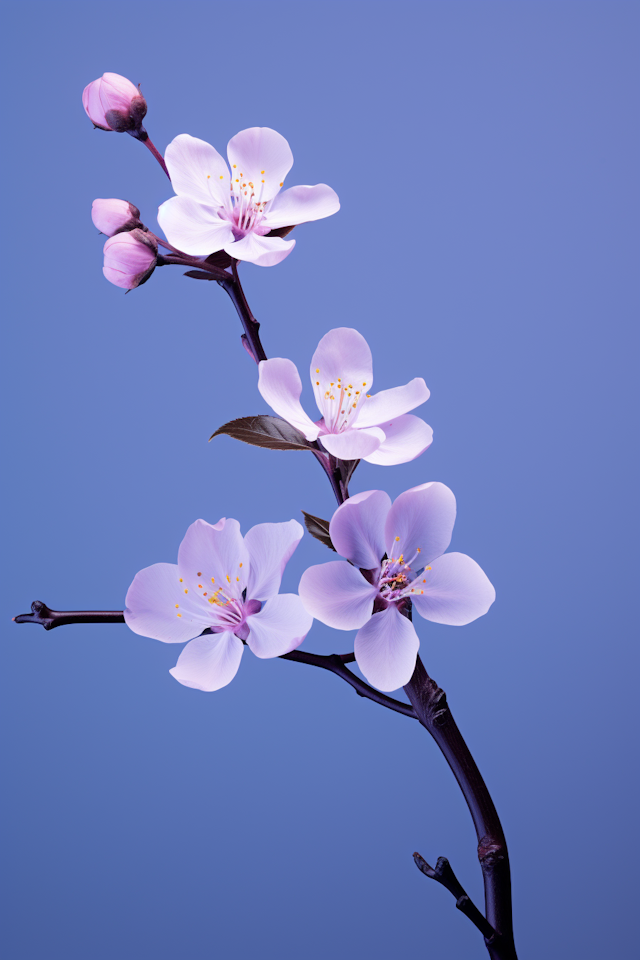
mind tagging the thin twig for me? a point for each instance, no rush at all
(444, 874)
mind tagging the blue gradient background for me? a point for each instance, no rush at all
(486, 157)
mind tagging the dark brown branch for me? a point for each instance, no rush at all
(250, 325)
(335, 662)
(432, 709)
(444, 874)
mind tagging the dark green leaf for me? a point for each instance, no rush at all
(264, 431)
(319, 529)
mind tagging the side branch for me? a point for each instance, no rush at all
(335, 663)
(444, 874)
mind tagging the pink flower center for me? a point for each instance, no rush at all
(340, 401)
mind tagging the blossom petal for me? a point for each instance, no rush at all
(456, 590)
(353, 444)
(279, 627)
(389, 404)
(301, 205)
(280, 385)
(214, 554)
(406, 438)
(357, 528)
(192, 227)
(260, 156)
(386, 649)
(197, 171)
(270, 547)
(337, 594)
(263, 251)
(210, 662)
(421, 519)
(154, 600)
(342, 355)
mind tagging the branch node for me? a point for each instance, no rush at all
(443, 874)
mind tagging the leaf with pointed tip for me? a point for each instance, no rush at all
(200, 275)
(347, 469)
(264, 431)
(319, 529)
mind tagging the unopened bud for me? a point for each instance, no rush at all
(114, 216)
(113, 103)
(130, 258)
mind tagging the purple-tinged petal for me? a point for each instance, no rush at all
(192, 227)
(342, 357)
(455, 590)
(389, 404)
(357, 528)
(337, 594)
(270, 547)
(263, 251)
(420, 524)
(301, 205)
(260, 157)
(353, 444)
(197, 171)
(386, 649)
(93, 105)
(281, 626)
(406, 438)
(280, 385)
(154, 606)
(213, 556)
(209, 663)
(117, 92)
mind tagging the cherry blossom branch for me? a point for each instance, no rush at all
(432, 710)
(251, 336)
(443, 874)
(336, 662)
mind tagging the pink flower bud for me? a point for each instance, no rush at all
(114, 216)
(113, 103)
(130, 258)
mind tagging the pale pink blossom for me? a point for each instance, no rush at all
(113, 103)
(114, 216)
(355, 424)
(130, 258)
(226, 586)
(401, 549)
(233, 208)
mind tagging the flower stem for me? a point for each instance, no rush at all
(144, 137)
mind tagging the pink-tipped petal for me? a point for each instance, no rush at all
(357, 528)
(301, 205)
(280, 385)
(209, 663)
(343, 355)
(456, 590)
(270, 547)
(421, 519)
(192, 227)
(261, 157)
(337, 594)
(112, 216)
(353, 444)
(406, 438)
(390, 404)
(386, 649)
(197, 171)
(263, 251)
(116, 92)
(280, 627)
(154, 600)
(93, 105)
(214, 555)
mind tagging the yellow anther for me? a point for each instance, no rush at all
(240, 564)
(262, 181)
(199, 573)
(428, 568)
(282, 183)
(213, 579)
(208, 176)
(199, 586)
(177, 605)
(234, 166)
(204, 594)
(317, 369)
(317, 383)
(180, 579)
(262, 171)
(178, 614)
(368, 394)
(397, 539)
(354, 405)
(364, 384)
(221, 177)
(186, 591)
